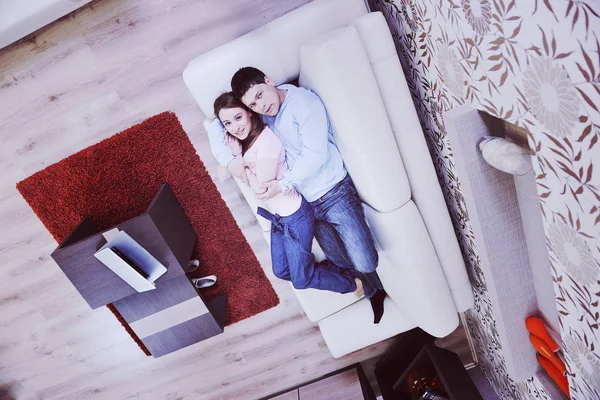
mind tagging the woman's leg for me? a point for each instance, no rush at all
(305, 272)
(278, 258)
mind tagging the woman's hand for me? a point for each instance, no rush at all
(229, 139)
(253, 182)
(237, 167)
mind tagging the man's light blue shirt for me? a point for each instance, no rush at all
(314, 161)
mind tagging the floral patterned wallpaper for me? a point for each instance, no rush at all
(534, 63)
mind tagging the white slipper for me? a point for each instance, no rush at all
(204, 282)
(192, 266)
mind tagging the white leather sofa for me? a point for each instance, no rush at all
(346, 55)
(19, 18)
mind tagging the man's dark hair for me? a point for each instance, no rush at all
(244, 79)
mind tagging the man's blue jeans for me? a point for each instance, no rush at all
(291, 246)
(344, 236)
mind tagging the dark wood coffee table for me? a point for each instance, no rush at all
(168, 318)
(164, 230)
(172, 316)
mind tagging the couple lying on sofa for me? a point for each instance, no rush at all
(278, 141)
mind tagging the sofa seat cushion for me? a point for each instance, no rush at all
(410, 270)
(320, 304)
(352, 328)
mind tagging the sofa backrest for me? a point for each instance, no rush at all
(272, 48)
(418, 165)
(337, 68)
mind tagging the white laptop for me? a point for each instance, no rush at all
(131, 262)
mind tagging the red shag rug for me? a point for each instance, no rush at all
(117, 179)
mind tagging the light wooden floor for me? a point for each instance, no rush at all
(91, 74)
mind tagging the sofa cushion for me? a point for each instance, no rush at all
(336, 67)
(424, 186)
(319, 304)
(410, 270)
(352, 328)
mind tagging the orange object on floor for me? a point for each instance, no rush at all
(555, 374)
(545, 351)
(536, 326)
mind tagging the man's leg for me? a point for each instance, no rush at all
(341, 208)
(335, 251)
(293, 246)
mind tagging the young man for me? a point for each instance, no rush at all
(298, 117)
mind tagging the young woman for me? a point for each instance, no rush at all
(291, 216)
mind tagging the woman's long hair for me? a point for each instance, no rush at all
(228, 100)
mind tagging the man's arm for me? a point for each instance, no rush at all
(313, 124)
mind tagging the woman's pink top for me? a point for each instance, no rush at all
(267, 146)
